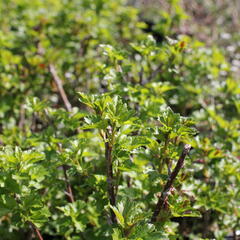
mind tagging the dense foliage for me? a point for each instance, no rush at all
(112, 127)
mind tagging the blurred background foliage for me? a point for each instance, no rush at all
(153, 54)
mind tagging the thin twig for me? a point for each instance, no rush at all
(68, 106)
(69, 192)
(61, 91)
(60, 88)
(166, 190)
(36, 230)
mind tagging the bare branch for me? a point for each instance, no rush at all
(166, 190)
(36, 230)
(60, 88)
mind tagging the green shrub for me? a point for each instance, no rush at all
(107, 133)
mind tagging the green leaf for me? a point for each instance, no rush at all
(116, 234)
(39, 216)
(118, 215)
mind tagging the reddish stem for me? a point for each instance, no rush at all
(37, 232)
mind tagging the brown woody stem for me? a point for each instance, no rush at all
(36, 231)
(166, 190)
(60, 88)
(110, 184)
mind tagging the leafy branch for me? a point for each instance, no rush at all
(166, 190)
